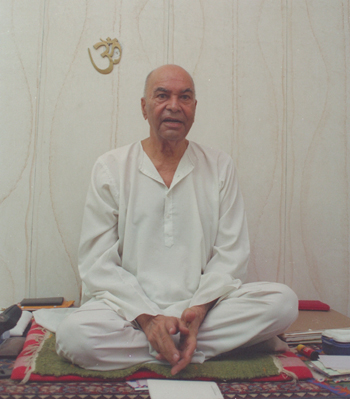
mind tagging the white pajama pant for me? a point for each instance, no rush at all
(95, 337)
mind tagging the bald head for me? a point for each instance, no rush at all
(169, 68)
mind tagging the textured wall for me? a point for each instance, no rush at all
(273, 91)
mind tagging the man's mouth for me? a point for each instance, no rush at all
(171, 120)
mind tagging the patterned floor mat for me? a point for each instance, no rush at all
(116, 390)
(10, 389)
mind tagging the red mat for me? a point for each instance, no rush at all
(24, 365)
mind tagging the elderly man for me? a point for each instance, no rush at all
(164, 250)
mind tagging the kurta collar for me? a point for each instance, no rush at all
(184, 167)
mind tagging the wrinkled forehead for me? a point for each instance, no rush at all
(170, 79)
(172, 84)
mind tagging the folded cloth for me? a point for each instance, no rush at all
(21, 325)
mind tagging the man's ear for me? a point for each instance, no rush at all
(143, 107)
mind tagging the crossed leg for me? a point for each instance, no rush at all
(95, 337)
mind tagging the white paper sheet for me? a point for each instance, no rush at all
(160, 389)
(336, 362)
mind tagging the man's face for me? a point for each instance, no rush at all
(169, 104)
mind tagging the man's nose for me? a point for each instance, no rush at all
(173, 104)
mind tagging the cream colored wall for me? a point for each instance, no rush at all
(273, 91)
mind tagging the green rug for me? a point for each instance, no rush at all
(241, 367)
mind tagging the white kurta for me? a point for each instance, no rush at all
(147, 248)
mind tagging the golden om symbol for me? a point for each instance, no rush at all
(109, 53)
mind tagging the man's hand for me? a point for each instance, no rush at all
(193, 317)
(158, 330)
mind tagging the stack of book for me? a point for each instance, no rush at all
(332, 367)
(311, 323)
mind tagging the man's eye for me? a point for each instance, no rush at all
(162, 96)
(186, 97)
